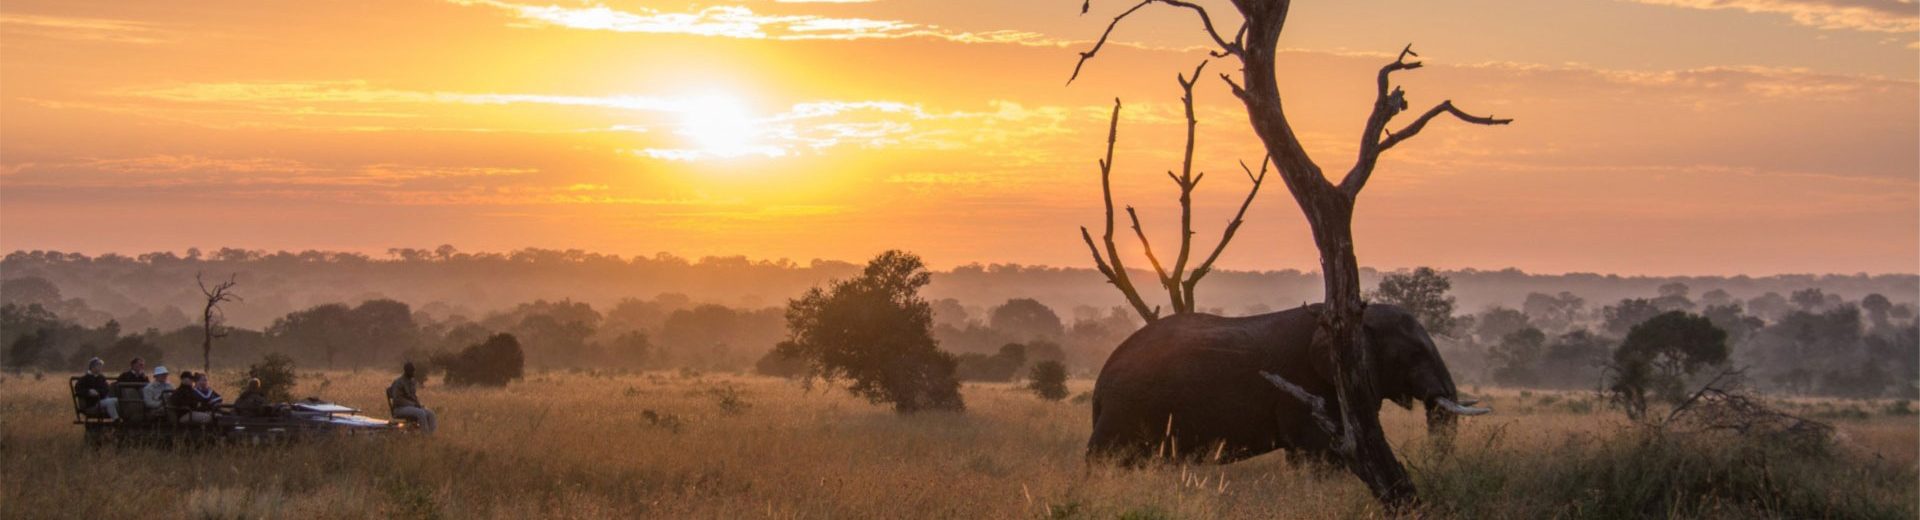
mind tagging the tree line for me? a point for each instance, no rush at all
(1805, 342)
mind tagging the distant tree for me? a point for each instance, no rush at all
(779, 364)
(1730, 318)
(1026, 319)
(1659, 354)
(1770, 306)
(631, 349)
(1901, 312)
(1553, 312)
(1422, 292)
(1717, 297)
(1673, 297)
(1002, 366)
(1517, 356)
(1574, 359)
(1622, 318)
(949, 312)
(494, 362)
(1877, 307)
(129, 347)
(212, 315)
(874, 330)
(1049, 380)
(1496, 322)
(1809, 299)
(30, 290)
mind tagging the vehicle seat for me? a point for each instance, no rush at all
(133, 405)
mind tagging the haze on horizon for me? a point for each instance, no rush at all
(1651, 136)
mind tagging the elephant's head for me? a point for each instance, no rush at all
(1408, 368)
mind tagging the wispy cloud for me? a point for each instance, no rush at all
(1893, 16)
(85, 29)
(743, 22)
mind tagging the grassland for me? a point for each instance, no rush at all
(684, 445)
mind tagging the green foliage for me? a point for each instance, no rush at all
(1049, 380)
(873, 330)
(494, 362)
(276, 375)
(1422, 292)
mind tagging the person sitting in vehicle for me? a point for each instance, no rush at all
(403, 399)
(96, 396)
(136, 372)
(197, 402)
(253, 401)
(157, 388)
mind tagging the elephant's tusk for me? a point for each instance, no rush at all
(1456, 408)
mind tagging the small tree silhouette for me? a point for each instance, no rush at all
(874, 330)
(1049, 380)
(212, 315)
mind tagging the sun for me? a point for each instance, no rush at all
(720, 125)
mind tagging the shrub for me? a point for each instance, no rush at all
(275, 372)
(1049, 380)
(1002, 366)
(493, 362)
(778, 364)
(874, 331)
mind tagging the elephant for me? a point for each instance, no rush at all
(1205, 388)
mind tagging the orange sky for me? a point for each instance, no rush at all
(1652, 136)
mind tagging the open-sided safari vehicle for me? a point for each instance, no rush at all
(307, 418)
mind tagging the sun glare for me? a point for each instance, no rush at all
(720, 126)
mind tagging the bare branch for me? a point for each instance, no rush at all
(1315, 404)
(1186, 181)
(1390, 101)
(1445, 107)
(1226, 48)
(1227, 236)
(1148, 248)
(1117, 272)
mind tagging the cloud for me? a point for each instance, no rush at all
(742, 22)
(1893, 16)
(84, 29)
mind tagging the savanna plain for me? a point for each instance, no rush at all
(586, 444)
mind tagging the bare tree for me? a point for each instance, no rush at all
(1329, 211)
(212, 315)
(1179, 283)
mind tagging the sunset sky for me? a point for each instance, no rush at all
(1651, 136)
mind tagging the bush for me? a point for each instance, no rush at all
(494, 362)
(1049, 380)
(1002, 366)
(1657, 357)
(275, 372)
(780, 365)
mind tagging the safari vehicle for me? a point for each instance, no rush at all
(302, 419)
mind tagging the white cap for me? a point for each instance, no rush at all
(160, 370)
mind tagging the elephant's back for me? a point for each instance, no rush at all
(1196, 373)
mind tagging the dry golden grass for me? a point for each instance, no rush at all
(583, 445)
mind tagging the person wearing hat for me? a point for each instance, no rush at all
(94, 392)
(404, 400)
(157, 388)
